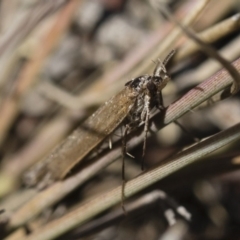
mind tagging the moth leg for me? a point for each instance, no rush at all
(146, 129)
(124, 151)
(160, 104)
(110, 142)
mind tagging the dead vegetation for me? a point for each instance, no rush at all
(63, 59)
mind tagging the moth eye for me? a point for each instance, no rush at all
(135, 82)
(151, 86)
(157, 79)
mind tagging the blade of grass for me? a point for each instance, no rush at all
(95, 206)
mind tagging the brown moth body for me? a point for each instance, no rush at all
(82, 140)
(134, 102)
(149, 89)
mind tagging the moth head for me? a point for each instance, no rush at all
(160, 74)
(161, 81)
(152, 87)
(138, 83)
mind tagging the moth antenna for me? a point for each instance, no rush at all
(159, 68)
(168, 57)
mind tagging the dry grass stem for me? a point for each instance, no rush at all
(209, 35)
(95, 206)
(209, 50)
(60, 61)
(171, 39)
(123, 70)
(23, 26)
(28, 75)
(51, 195)
(209, 67)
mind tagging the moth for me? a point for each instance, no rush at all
(133, 103)
(148, 94)
(148, 90)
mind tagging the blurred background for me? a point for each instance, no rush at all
(60, 60)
